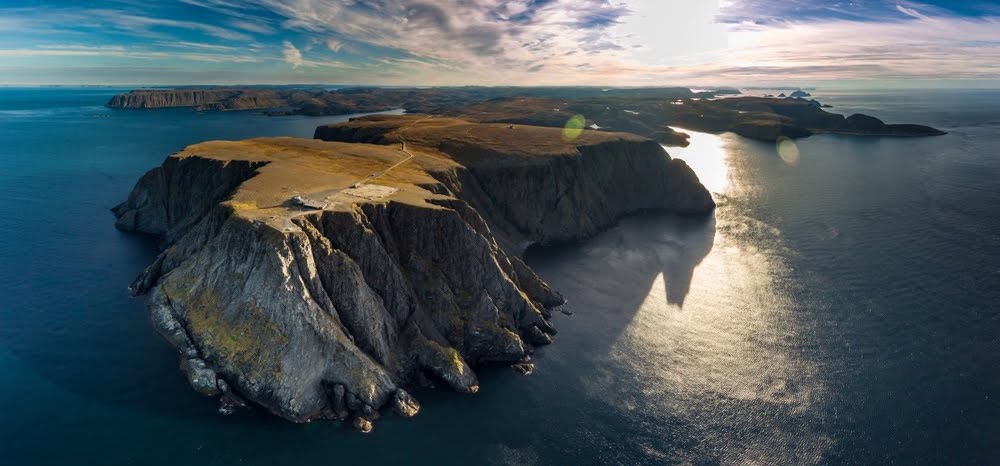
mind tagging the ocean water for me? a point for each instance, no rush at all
(841, 306)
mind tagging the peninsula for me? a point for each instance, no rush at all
(650, 112)
(320, 278)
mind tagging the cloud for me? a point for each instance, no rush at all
(138, 22)
(334, 45)
(197, 45)
(291, 55)
(119, 52)
(646, 42)
(251, 26)
(910, 12)
(43, 21)
(920, 47)
(481, 35)
(295, 57)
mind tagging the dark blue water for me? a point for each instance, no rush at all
(842, 306)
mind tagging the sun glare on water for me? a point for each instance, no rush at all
(707, 157)
(713, 330)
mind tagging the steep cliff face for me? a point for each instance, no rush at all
(532, 186)
(408, 274)
(206, 99)
(210, 98)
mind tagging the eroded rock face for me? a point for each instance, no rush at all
(205, 99)
(328, 313)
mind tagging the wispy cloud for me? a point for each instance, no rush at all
(197, 46)
(919, 46)
(121, 52)
(334, 45)
(258, 27)
(52, 20)
(910, 12)
(292, 55)
(479, 35)
(137, 22)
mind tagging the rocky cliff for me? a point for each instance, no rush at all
(318, 279)
(204, 99)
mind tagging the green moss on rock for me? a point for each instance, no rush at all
(244, 340)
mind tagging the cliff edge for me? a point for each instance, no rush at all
(317, 279)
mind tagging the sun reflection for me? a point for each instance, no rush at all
(725, 347)
(730, 341)
(706, 155)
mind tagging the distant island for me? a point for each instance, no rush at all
(320, 278)
(650, 112)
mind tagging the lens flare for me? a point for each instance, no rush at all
(788, 151)
(574, 127)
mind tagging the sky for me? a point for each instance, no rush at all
(875, 43)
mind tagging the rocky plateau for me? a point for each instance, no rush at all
(320, 278)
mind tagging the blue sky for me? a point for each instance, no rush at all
(527, 42)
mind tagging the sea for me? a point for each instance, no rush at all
(842, 306)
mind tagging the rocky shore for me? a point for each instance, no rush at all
(320, 278)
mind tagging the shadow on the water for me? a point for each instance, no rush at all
(692, 243)
(606, 281)
(637, 251)
(100, 346)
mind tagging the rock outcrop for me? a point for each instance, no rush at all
(407, 265)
